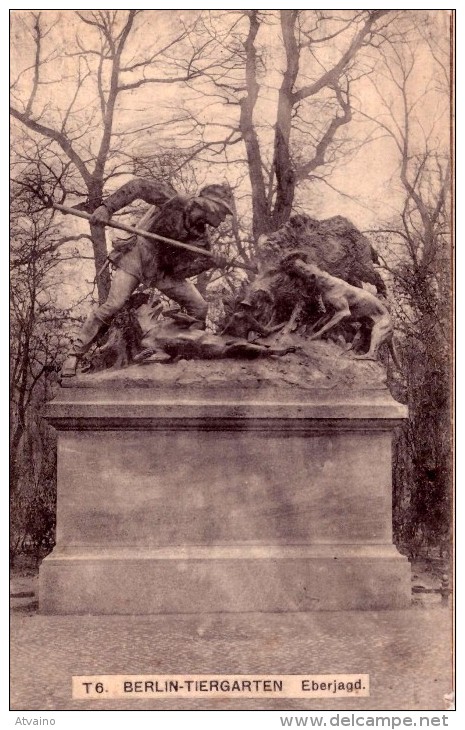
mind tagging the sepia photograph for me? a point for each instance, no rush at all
(231, 363)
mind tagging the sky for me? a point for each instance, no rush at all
(363, 187)
(367, 181)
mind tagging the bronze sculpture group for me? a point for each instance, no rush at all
(309, 281)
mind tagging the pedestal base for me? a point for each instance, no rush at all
(222, 498)
(225, 580)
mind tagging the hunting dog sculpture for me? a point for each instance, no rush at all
(347, 301)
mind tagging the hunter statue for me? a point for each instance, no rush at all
(139, 260)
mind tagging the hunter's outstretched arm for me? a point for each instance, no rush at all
(155, 193)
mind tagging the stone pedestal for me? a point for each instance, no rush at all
(224, 497)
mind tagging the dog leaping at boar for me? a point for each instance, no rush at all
(348, 301)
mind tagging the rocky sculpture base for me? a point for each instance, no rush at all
(226, 486)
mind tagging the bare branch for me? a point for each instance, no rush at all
(330, 77)
(156, 80)
(57, 137)
(328, 137)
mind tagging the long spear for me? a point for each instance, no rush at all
(151, 236)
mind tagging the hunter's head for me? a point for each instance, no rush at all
(216, 202)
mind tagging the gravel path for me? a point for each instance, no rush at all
(406, 653)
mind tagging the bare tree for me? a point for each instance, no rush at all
(322, 55)
(39, 334)
(416, 254)
(80, 112)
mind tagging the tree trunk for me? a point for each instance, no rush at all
(285, 173)
(260, 216)
(102, 272)
(99, 241)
